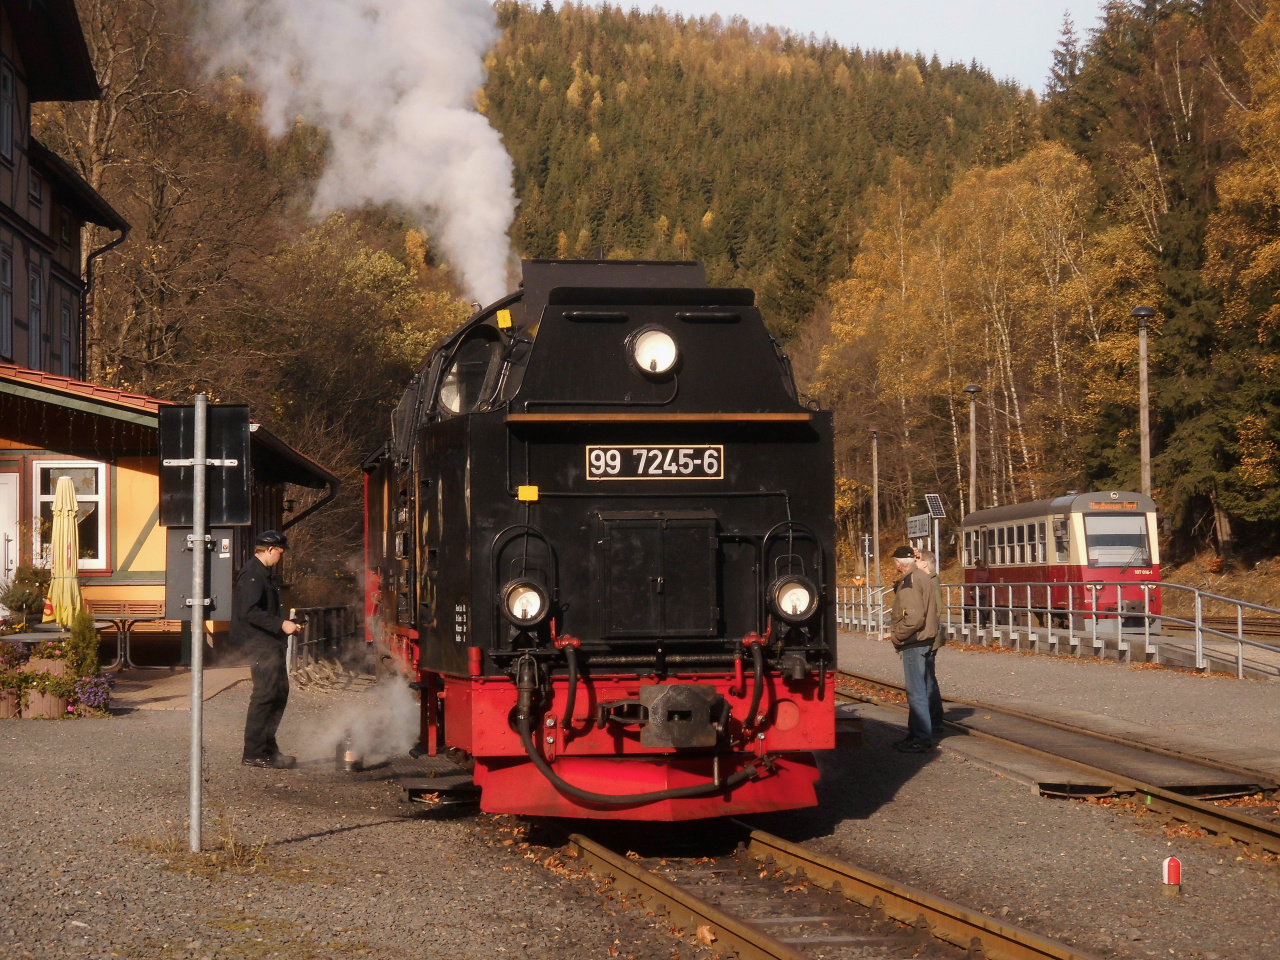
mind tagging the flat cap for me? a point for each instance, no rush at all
(904, 553)
(271, 538)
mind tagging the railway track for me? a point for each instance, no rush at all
(1256, 832)
(1254, 627)
(776, 900)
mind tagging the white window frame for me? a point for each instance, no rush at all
(101, 498)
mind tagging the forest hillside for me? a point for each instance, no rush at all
(911, 227)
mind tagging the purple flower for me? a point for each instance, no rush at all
(94, 692)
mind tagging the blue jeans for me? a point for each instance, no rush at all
(924, 700)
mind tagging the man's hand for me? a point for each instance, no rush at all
(289, 627)
(887, 639)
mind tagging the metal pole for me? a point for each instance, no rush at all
(1143, 314)
(197, 602)
(875, 499)
(972, 390)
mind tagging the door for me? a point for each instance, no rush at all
(660, 575)
(8, 526)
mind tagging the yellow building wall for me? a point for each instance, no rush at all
(137, 502)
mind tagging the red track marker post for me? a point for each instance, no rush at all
(1172, 877)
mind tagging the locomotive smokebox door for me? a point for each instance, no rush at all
(680, 715)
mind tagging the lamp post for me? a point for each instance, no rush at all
(1142, 315)
(875, 499)
(972, 390)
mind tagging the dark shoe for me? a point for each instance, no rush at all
(898, 744)
(280, 761)
(912, 746)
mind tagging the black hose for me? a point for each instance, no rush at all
(525, 725)
(570, 655)
(757, 690)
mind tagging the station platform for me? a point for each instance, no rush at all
(170, 689)
(1209, 715)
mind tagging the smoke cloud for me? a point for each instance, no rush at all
(384, 723)
(392, 82)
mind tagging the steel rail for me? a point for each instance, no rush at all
(681, 906)
(1218, 820)
(1264, 780)
(981, 935)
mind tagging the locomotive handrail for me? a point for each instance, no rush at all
(863, 607)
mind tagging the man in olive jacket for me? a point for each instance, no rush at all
(913, 628)
(258, 627)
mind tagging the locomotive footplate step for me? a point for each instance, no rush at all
(433, 775)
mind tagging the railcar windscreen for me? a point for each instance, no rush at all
(1117, 541)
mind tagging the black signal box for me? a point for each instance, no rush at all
(226, 486)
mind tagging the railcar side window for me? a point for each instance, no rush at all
(463, 383)
(1044, 545)
(968, 548)
(1022, 543)
(989, 546)
(1117, 541)
(1000, 544)
(1033, 555)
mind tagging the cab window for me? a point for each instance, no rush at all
(463, 385)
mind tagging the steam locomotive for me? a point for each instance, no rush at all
(601, 537)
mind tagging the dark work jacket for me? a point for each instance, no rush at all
(256, 617)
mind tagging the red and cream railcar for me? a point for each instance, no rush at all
(1091, 551)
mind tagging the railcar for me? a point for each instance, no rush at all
(601, 538)
(1089, 555)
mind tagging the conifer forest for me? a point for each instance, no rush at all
(910, 227)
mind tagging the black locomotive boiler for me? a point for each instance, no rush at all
(602, 539)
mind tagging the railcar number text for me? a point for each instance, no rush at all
(655, 463)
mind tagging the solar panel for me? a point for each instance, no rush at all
(936, 510)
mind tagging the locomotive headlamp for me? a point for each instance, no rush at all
(524, 603)
(794, 599)
(654, 351)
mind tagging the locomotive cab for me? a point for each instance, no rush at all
(602, 539)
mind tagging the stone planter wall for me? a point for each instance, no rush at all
(42, 706)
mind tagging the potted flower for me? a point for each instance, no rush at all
(13, 693)
(50, 657)
(24, 595)
(93, 695)
(47, 696)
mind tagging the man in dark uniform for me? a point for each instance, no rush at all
(260, 629)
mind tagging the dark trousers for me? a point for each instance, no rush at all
(266, 704)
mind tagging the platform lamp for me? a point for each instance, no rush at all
(875, 498)
(1143, 314)
(973, 390)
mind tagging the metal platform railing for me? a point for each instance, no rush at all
(1092, 612)
(327, 630)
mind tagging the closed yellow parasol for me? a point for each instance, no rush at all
(64, 586)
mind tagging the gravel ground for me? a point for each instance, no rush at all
(1238, 712)
(1081, 873)
(93, 859)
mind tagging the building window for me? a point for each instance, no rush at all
(35, 187)
(65, 227)
(90, 482)
(8, 110)
(68, 328)
(35, 313)
(6, 303)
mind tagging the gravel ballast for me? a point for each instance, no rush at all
(93, 859)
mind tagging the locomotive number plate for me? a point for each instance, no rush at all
(656, 463)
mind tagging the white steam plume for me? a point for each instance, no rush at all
(392, 83)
